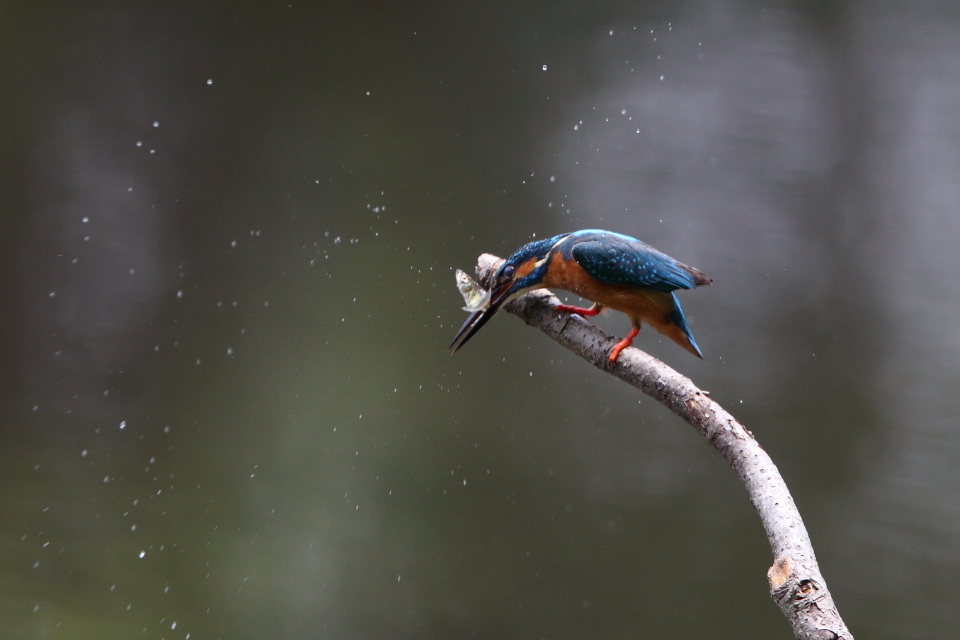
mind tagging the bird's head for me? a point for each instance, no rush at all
(521, 272)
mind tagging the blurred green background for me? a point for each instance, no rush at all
(227, 240)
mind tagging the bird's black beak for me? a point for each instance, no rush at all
(479, 318)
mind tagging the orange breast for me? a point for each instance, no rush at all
(652, 307)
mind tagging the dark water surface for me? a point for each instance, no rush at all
(227, 244)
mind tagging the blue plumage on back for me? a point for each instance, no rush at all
(620, 260)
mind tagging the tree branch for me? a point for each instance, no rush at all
(794, 578)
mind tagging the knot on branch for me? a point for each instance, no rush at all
(803, 597)
(789, 589)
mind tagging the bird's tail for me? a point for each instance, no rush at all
(673, 324)
(678, 320)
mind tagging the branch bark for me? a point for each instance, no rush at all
(795, 581)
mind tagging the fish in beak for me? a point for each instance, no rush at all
(498, 296)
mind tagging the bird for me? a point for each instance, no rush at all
(610, 269)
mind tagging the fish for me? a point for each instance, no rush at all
(474, 296)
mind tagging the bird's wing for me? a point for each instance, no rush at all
(629, 263)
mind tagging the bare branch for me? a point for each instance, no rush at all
(794, 578)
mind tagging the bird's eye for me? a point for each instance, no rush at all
(508, 271)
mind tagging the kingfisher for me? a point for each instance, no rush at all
(610, 269)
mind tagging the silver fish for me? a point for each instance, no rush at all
(473, 294)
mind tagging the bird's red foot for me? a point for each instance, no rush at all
(592, 311)
(623, 344)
